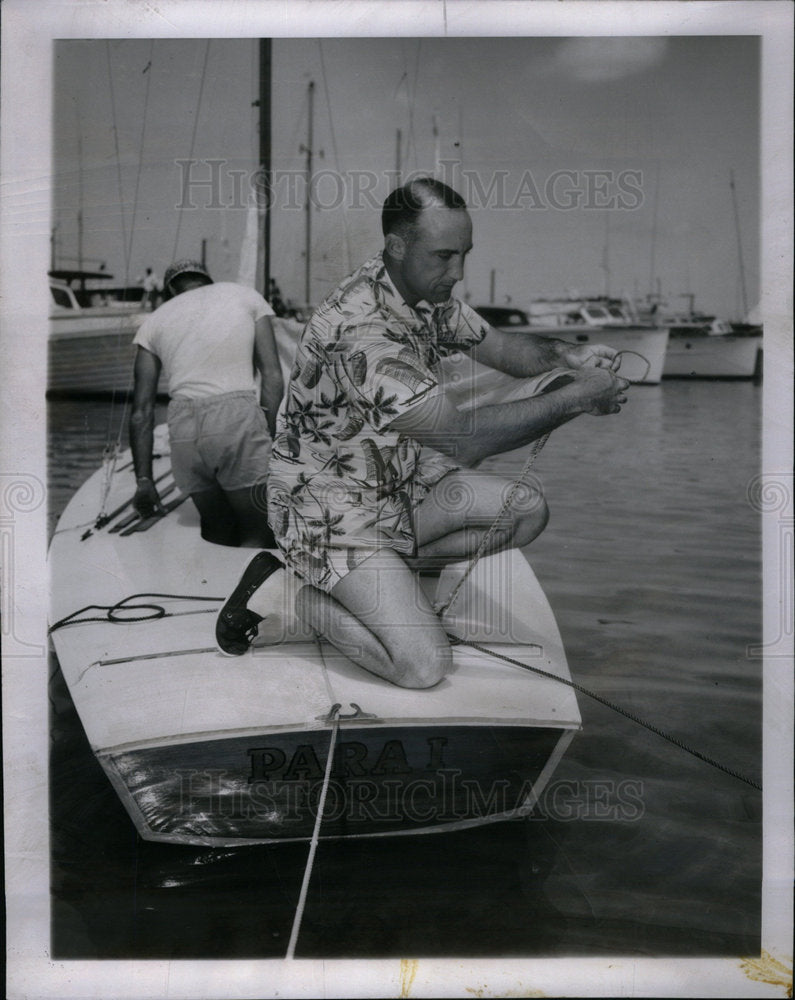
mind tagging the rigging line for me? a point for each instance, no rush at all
(456, 640)
(117, 157)
(108, 456)
(310, 861)
(193, 136)
(411, 89)
(336, 153)
(128, 258)
(111, 450)
(413, 99)
(538, 444)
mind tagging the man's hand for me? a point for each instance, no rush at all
(598, 390)
(147, 500)
(590, 356)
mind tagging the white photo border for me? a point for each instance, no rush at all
(27, 61)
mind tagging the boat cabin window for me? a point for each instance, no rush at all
(61, 297)
(501, 316)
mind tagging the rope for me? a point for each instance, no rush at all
(123, 605)
(345, 224)
(310, 861)
(538, 444)
(193, 136)
(455, 640)
(111, 450)
(642, 358)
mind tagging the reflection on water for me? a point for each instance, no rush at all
(651, 562)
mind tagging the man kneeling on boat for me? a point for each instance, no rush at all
(209, 339)
(374, 468)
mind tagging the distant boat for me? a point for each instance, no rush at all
(582, 321)
(90, 347)
(705, 347)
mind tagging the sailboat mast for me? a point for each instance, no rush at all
(309, 141)
(652, 261)
(397, 159)
(606, 255)
(80, 211)
(265, 153)
(739, 246)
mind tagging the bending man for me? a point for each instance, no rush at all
(210, 339)
(374, 471)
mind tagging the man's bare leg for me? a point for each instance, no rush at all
(452, 520)
(378, 617)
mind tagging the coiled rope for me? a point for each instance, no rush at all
(111, 610)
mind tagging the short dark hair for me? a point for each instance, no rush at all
(405, 204)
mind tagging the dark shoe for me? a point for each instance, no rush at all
(236, 627)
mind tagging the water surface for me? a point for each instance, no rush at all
(651, 562)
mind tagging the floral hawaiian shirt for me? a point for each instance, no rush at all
(341, 483)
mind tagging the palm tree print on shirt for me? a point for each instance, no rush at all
(340, 478)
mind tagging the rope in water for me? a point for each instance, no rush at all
(456, 640)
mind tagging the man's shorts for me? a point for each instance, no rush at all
(325, 565)
(218, 441)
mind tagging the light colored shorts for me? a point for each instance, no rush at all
(218, 441)
(325, 565)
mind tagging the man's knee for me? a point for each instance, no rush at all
(422, 668)
(531, 522)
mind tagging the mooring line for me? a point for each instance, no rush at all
(456, 641)
(310, 861)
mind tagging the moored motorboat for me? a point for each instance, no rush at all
(642, 346)
(90, 349)
(705, 347)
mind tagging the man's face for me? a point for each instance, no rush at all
(433, 261)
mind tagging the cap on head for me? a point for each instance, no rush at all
(181, 267)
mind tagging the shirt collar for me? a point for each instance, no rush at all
(423, 310)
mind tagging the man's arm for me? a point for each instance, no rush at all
(266, 362)
(524, 354)
(489, 430)
(142, 422)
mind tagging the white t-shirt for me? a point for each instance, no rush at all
(204, 339)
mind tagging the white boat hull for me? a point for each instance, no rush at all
(715, 356)
(208, 749)
(92, 353)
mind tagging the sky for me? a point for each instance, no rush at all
(591, 164)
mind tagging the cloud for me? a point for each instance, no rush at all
(602, 59)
